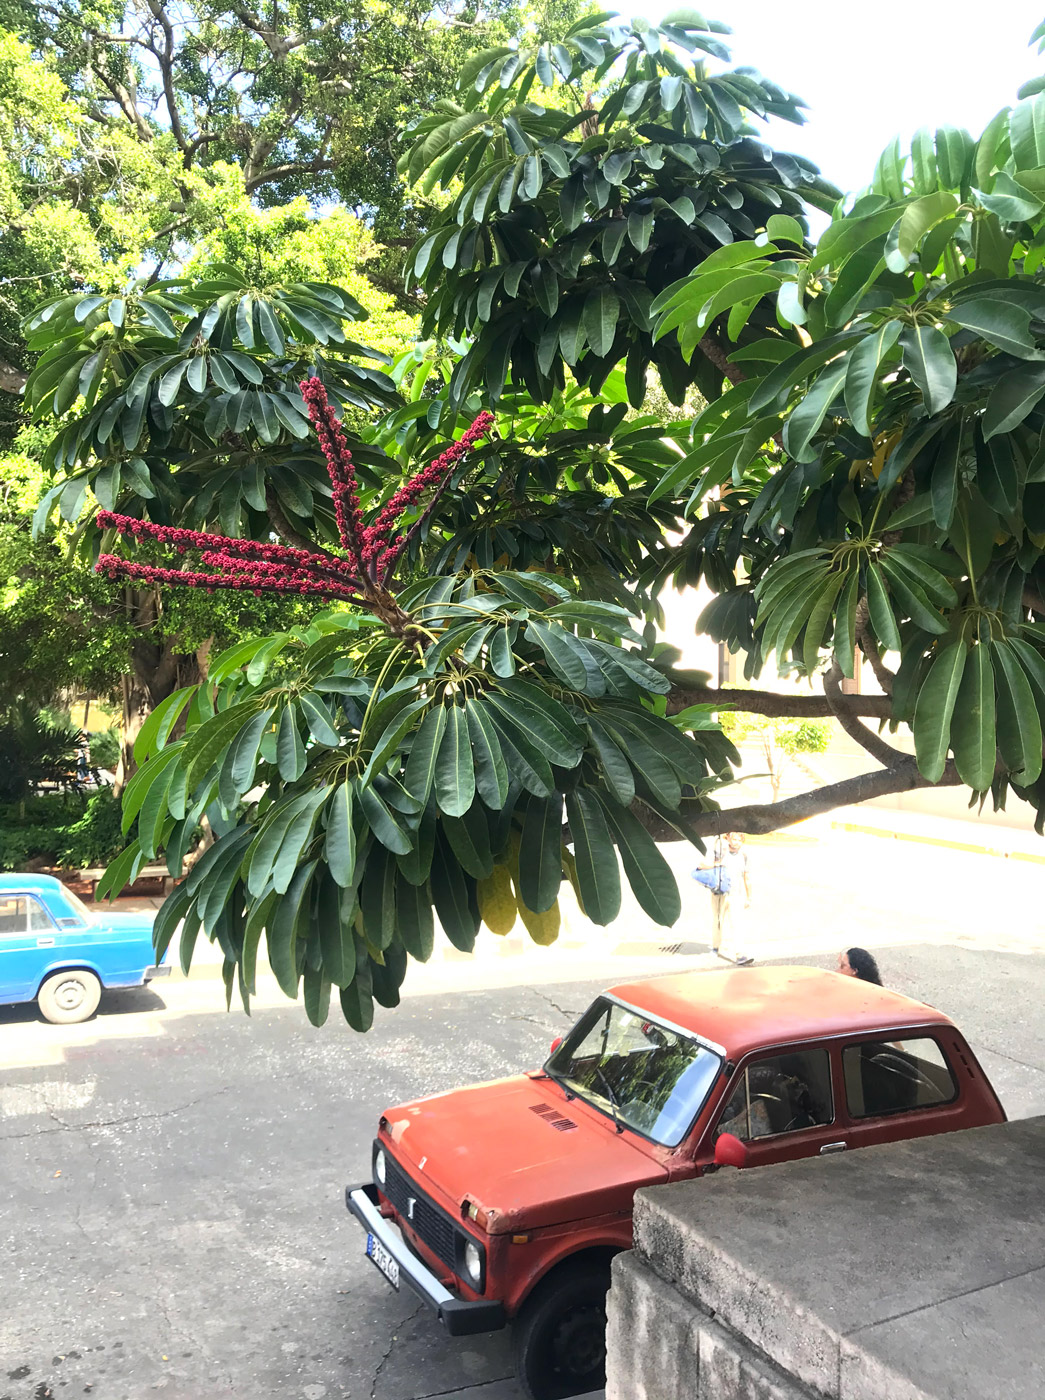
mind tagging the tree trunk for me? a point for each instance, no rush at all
(158, 669)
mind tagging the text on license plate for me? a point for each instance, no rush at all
(384, 1261)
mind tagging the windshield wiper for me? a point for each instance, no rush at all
(614, 1105)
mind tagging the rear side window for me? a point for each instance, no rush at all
(881, 1078)
(780, 1094)
(39, 919)
(12, 914)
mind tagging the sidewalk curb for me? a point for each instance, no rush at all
(973, 847)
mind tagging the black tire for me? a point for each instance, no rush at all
(559, 1338)
(68, 997)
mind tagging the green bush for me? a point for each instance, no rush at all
(76, 836)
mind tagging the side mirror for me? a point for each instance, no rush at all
(731, 1152)
(555, 1044)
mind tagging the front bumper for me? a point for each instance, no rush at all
(160, 970)
(460, 1317)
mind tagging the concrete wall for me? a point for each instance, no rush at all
(914, 1271)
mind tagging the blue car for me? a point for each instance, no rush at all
(56, 951)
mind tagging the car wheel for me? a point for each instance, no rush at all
(68, 997)
(559, 1338)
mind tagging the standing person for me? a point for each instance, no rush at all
(858, 962)
(721, 874)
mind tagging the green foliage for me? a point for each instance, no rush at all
(885, 473)
(293, 243)
(65, 832)
(186, 394)
(585, 177)
(396, 774)
(34, 749)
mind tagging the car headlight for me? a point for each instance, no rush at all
(473, 1264)
(380, 1166)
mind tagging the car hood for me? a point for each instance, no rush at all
(518, 1149)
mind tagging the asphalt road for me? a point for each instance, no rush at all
(172, 1218)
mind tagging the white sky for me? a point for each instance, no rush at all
(870, 72)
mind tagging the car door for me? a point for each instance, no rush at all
(782, 1105)
(904, 1087)
(20, 959)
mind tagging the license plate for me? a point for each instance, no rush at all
(379, 1255)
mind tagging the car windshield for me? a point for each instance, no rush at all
(648, 1076)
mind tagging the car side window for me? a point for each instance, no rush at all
(39, 919)
(883, 1078)
(12, 914)
(780, 1094)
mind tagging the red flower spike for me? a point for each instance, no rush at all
(257, 566)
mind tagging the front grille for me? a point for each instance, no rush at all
(427, 1220)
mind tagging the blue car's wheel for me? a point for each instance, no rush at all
(68, 997)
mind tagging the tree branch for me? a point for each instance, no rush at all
(768, 702)
(866, 738)
(281, 172)
(761, 818)
(869, 647)
(718, 357)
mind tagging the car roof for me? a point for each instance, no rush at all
(13, 880)
(744, 1009)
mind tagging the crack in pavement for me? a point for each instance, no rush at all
(391, 1347)
(570, 1015)
(64, 1127)
(460, 1389)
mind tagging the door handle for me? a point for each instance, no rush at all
(830, 1147)
(45, 942)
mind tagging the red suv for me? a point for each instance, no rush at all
(511, 1198)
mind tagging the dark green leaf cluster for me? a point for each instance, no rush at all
(888, 472)
(185, 394)
(376, 785)
(571, 213)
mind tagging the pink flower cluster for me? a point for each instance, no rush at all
(257, 566)
(373, 548)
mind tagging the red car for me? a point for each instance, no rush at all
(511, 1198)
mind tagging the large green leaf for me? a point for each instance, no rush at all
(288, 925)
(454, 895)
(862, 373)
(1019, 724)
(598, 873)
(935, 707)
(928, 357)
(649, 874)
(1005, 324)
(339, 847)
(454, 767)
(973, 731)
(491, 772)
(540, 852)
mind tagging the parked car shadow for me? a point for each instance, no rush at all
(116, 1003)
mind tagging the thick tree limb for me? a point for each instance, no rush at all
(767, 702)
(761, 818)
(866, 738)
(711, 349)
